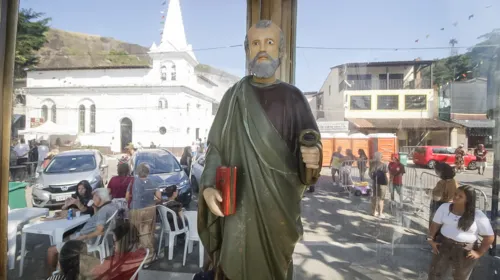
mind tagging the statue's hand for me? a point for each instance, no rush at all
(310, 156)
(213, 199)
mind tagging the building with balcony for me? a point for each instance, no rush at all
(465, 103)
(385, 97)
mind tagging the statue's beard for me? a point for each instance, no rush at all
(263, 69)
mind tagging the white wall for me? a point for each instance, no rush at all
(391, 114)
(333, 100)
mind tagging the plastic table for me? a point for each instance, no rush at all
(54, 229)
(16, 218)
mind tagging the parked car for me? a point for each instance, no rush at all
(165, 170)
(58, 181)
(429, 155)
(196, 170)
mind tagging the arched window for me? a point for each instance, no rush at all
(164, 73)
(81, 119)
(92, 118)
(173, 74)
(188, 130)
(187, 107)
(45, 113)
(165, 104)
(54, 113)
(160, 104)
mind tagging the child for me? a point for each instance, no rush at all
(396, 171)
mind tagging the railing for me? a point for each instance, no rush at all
(416, 191)
(391, 84)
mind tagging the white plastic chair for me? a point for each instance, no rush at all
(101, 245)
(192, 217)
(134, 277)
(165, 229)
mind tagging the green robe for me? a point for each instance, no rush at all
(258, 241)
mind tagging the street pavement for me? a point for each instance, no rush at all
(341, 239)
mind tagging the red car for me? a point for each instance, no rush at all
(429, 155)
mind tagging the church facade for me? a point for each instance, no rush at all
(170, 102)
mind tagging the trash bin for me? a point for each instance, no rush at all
(403, 158)
(17, 195)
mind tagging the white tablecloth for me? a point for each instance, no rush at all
(54, 229)
(16, 218)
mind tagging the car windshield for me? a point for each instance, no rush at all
(69, 164)
(158, 162)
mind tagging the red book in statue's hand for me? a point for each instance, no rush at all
(226, 184)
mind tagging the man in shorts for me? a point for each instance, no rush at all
(93, 228)
(480, 153)
(336, 163)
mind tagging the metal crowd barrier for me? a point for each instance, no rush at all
(422, 194)
(417, 187)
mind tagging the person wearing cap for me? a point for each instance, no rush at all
(396, 171)
(93, 228)
(130, 153)
(480, 153)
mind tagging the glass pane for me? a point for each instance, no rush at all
(361, 102)
(388, 102)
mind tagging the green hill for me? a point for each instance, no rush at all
(70, 50)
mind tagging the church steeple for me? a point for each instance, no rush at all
(173, 37)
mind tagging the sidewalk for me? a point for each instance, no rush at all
(343, 241)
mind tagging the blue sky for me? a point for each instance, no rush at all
(321, 23)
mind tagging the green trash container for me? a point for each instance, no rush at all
(17, 195)
(403, 158)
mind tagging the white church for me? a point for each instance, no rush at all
(168, 102)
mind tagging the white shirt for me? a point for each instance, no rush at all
(22, 150)
(43, 151)
(449, 222)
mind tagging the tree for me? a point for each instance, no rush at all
(31, 29)
(474, 63)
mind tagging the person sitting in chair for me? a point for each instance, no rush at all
(93, 228)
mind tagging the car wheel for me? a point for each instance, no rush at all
(472, 165)
(194, 184)
(357, 193)
(186, 203)
(431, 164)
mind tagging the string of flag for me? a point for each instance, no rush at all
(162, 12)
(453, 41)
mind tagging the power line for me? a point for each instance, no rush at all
(395, 48)
(298, 47)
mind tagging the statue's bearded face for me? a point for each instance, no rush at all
(263, 51)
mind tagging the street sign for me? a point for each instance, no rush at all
(333, 127)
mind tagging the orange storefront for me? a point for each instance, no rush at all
(385, 143)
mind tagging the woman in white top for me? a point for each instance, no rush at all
(460, 224)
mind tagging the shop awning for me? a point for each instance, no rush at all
(476, 123)
(401, 123)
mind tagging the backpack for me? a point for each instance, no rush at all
(380, 178)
